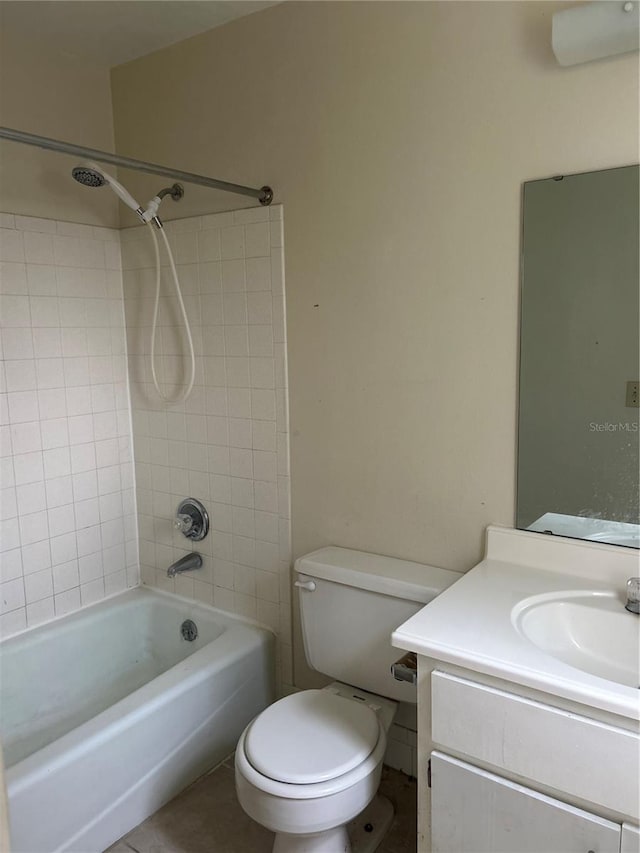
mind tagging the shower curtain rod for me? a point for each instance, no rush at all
(264, 194)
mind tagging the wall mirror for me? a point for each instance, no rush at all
(578, 432)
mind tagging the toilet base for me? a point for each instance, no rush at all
(333, 840)
(379, 816)
(361, 835)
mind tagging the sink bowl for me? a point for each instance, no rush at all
(588, 630)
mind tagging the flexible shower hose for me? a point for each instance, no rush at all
(183, 396)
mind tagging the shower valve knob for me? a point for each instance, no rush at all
(183, 523)
(192, 519)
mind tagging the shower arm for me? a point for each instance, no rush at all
(264, 194)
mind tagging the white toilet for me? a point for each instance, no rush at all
(311, 762)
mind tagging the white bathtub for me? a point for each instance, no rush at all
(108, 713)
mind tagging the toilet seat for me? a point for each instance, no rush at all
(311, 737)
(314, 790)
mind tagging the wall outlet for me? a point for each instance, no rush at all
(633, 394)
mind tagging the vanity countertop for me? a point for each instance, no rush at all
(473, 623)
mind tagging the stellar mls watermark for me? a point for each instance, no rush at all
(621, 426)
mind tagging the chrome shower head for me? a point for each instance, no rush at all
(88, 177)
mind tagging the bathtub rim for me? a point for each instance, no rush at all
(139, 589)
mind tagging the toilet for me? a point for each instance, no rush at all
(308, 767)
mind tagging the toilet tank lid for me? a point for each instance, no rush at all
(386, 575)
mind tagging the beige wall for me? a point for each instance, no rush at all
(397, 135)
(49, 93)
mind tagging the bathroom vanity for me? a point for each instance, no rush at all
(528, 702)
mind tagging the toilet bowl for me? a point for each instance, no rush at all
(308, 767)
(311, 763)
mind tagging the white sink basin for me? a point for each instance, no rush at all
(588, 630)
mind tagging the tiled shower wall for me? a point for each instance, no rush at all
(227, 445)
(67, 526)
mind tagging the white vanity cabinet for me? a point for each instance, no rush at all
(630, 842)
(513, 774)
(528, 702)
(477, 812)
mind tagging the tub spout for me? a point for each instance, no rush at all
(185, 564)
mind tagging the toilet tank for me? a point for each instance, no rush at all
(350, 604)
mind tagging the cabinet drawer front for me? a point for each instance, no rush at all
(476, 812)
(583, 758)
(630, 839)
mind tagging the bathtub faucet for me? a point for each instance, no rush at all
(185, 564)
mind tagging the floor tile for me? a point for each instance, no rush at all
(206, 818)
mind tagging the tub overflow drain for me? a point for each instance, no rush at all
(189, 630)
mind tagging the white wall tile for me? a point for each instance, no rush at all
(222, 445)
(14, 310)
(57, 462)
(263, 404)
(90, 567)
(42, 280)
(258, 274)
(36, 557)
(38, 248)
(40, 611)
(261, 340)
(87, 513)
(47, 343)
(28, 468)
(58, 491)
(264, 465)
(52, 403)
(262, 373)
(11, 565)
(17, 343)
(9, 535)
(12, 595)
(33, 527)
(8, 503)
(251, 214)
(214, 220)
(54, 433)
(257, 240)
(240, 432)
(45, 311)
(11, 245)
(20, 375)
(231, 240)
(37, 586)
(264, 435)
(49, 373)
(67, 602)
(209, 245)
(61, 520)
(63, 548)
(234, 307)
(233, 276)
(83, 457)
(30, 498)
(13, 278)
(64, 340)
(26, 438)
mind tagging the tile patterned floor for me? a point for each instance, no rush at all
(206, 818)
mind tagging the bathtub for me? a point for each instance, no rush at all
(108, 713)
